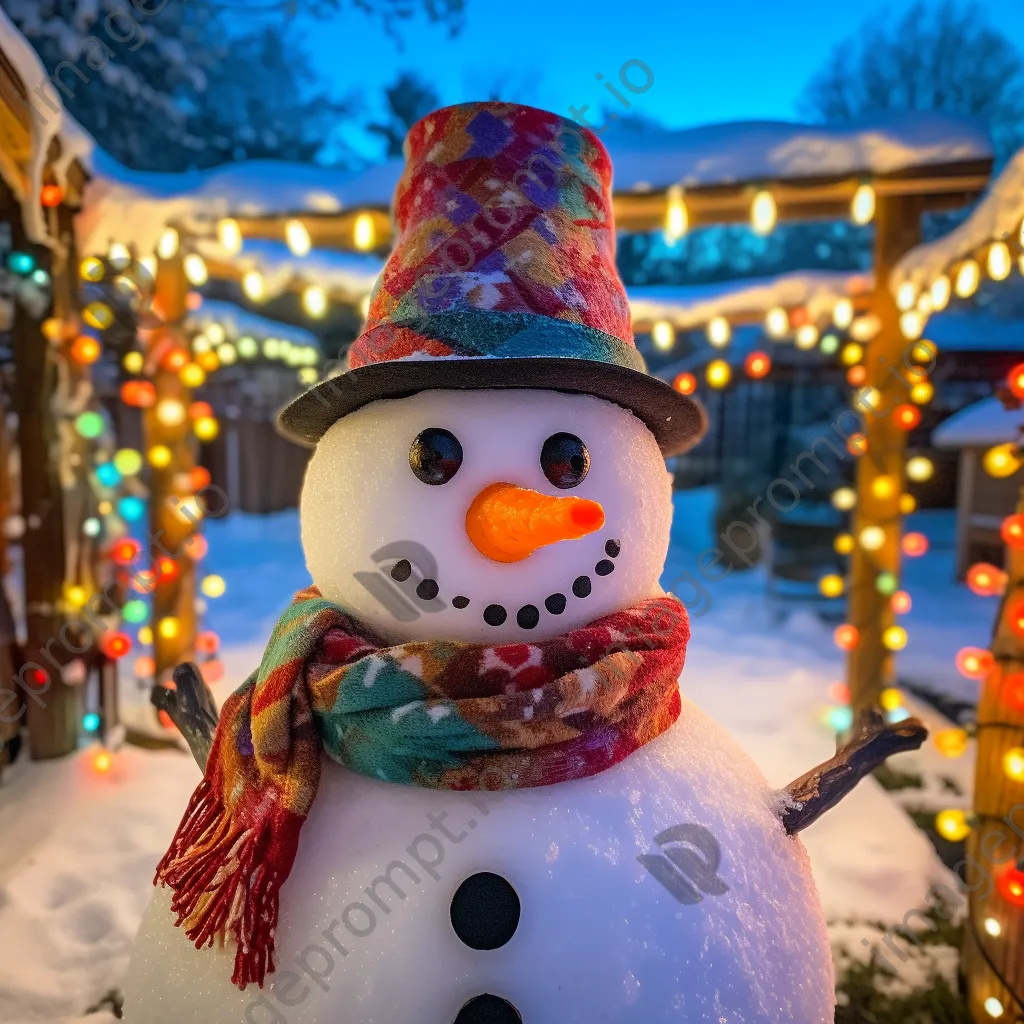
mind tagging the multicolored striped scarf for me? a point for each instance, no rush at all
(435, 713)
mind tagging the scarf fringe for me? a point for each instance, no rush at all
(226, 877)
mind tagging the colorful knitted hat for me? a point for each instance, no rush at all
(503, 275)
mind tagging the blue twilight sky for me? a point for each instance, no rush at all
(712, 60)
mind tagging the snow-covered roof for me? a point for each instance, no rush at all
(346, 275)
(133, 207)
(690, 306)
(998, 215)
(762, 151)
(981, 425)
(49, 120)
(972, 330)
(238, 322)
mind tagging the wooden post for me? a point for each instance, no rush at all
(173, 598)
(996, 842)
(53, 706)
(897, 230)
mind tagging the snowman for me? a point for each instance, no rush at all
(463, 786)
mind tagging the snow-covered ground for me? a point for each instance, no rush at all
(77, 850)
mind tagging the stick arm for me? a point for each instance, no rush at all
(191, 708)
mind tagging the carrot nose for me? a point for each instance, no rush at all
(508, 523)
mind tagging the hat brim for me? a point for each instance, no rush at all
(677, 421)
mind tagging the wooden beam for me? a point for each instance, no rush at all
(897, 231)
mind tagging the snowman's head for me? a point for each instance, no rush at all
(490, 516)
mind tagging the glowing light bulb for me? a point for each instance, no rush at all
(758, 365)
(951, 743)
(806, 336)
(364, 232)
(844, 499)
(167, 245)
(895, 638)
(846, 637)
(986, 580)
(254, 286)
(868, 399)
(872, 538)
(968, 277)
(884, 487)
(1013, 763)
(170, 412)
(227, 354)
(685, 383)
(974, 662)
(168, 628)
(677, 218)
(192, 375)
(1002, 461)
(851, 354)
(842, 314)
(206, 428)
(229, 234)
(91, 269)
(763, 213)
(912, 324)
(906, 296)
(102, 762)
(159, 456)
(248, 347)
(915, 545)
(776, 322)
(844, 544)
(119, 256)
(922, 393)
(952, 825)
(663, 335)
(195, 269)
(719, 332)
(920, 468)
(213, 586)
(993, 927)
(719, 373)
(862, 209)
(831, 585)
(314, 301)
(993, 1007)
(1012, 530)
(999, 262)
(940, 292)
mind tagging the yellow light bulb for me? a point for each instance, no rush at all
(908, 504)
(807, 336)
(677, 218)
(993, 1007)
(862, 209)
(923, 393)
(912, 324)
(851, 354)
(206, 428)
(941, 290)
(763, 213)
(167, 245)
(145, 635)
(999, 261)
(872, 538)
(213, 586)
(91, 269)
(75, 595)
(884, 487)
(1002, 461)
(192, 375)
(195, 269)
(993, 927)
(891, 699)
(364, 232)
(952, 825)
(968, 278)
(920, 468)
(951, 742)
(159, 456)
(831, 585)
(170, 412)
(229, 234)
(1013, 763)
(895, 638)
(776, 322)
(297, 237)
(663, 335)
(314, 301)
(844, 544)
(844, 499)
(133, 362)
(719, 373)
(168, 628)
(719, 332)
(842, 314)
(254, 286)
(906, 296)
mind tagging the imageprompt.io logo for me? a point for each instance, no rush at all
(688, 864)
(397, 591)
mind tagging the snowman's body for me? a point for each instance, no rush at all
(661, 890)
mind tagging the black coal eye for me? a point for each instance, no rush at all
(435, 455)
(565, 460)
